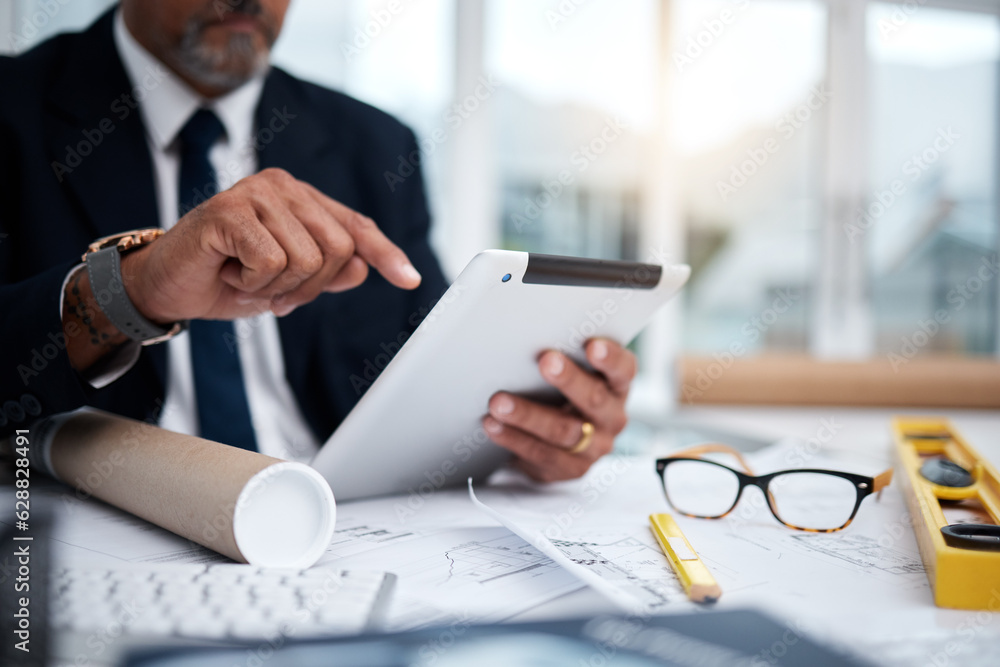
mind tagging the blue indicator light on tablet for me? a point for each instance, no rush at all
(506, 277)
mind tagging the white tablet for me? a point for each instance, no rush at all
(418, 427)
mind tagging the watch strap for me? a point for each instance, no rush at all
(104, 268)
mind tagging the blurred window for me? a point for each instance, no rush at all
(397, 56)
(748, 122)
(931, 220)
(572, 117)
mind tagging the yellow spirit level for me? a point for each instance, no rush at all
(953, 495)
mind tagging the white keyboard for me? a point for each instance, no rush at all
(224, 601)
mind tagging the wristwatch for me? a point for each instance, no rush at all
(104, 268)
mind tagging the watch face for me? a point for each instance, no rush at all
(125, 241)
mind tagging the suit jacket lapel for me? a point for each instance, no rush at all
(97, 144)
(291, 137)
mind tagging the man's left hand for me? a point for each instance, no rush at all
(542, 436)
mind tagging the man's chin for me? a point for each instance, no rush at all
(220, 56)
(222, 79)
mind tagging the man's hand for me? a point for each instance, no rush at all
(541, 436)
(270, 242)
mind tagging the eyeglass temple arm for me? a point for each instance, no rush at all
(710, 448)
(881, 481)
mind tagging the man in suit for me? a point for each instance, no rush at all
(136, 123)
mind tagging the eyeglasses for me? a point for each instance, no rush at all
(818, 501)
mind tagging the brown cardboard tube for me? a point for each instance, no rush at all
(245, 505)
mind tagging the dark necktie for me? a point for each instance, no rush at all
(220, 394)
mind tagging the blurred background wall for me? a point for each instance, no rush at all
(827, 167)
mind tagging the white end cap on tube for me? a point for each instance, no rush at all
(284, 517)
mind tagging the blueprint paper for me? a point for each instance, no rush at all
(536, 539)
(855, 587)
(454, 565)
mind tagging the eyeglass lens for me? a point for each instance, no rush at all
(813, 500)
(699, 488)
(802, 499)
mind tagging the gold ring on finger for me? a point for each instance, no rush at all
(585, 439)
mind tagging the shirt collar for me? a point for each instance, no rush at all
(168, 103)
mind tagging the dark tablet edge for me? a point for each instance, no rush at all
(581, 272)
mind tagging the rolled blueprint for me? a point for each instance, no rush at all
(250, 507)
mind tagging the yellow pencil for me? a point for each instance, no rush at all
(698, 582)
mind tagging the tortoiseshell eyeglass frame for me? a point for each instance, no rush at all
(863, 486)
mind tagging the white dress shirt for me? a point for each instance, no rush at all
(281, 430)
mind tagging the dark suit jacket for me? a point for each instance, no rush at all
(75, 166)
